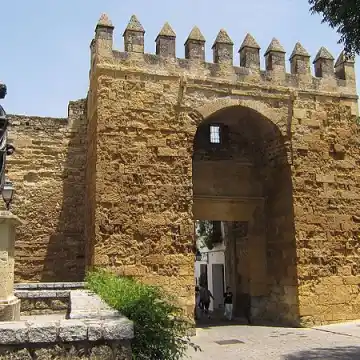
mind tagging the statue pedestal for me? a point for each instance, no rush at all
(9, 303)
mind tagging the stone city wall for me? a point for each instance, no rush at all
(143, 111)
(326, 190)
(48, 170)
(146, 109)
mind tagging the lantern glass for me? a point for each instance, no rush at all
(7, 193)
(198, 255)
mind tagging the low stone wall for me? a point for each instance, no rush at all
(94, 331)
(45, 298)
(64, 338)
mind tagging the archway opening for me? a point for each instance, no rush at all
(242, 185)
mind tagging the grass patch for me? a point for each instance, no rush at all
(159, 324)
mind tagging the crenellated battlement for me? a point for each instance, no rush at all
(328, 75)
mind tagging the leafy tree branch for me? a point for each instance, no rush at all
(344, 16)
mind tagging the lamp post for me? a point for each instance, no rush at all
(9, 303)
(7, 194)
(6, 149)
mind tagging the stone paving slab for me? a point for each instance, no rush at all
(333, 342)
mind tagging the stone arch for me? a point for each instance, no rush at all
(246, 178)
(206, 110)
(256, 109)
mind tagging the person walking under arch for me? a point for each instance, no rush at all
(205, 298)
(228, 303)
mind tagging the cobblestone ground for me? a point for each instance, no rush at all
(333, 342)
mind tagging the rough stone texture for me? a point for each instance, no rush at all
(38, 301)
(223, 48)
(13, 332)
(165, 42)
(300, 61)
(286, 165)
(72, 330)
(41, 306)
(79, 351)
(324, 63)
(99, 337)
(250, 53)
(150, 185)
(42, 332)
(48, 170)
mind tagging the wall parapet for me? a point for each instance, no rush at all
(44, 123)
(328, 77)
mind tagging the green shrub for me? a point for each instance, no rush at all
(160, 328)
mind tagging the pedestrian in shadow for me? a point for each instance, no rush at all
(197, 302)
(205, 298)
(228, 303)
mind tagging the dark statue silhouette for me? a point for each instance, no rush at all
(5, 148)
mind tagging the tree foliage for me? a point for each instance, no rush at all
(210, 232)
(344, 16)
(160, 329)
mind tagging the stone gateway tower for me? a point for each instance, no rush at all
(161, 141)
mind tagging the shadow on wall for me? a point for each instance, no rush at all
(251, 159)
(337, 353)
(282, 304)
(65, 255)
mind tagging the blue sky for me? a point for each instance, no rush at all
(45, 44)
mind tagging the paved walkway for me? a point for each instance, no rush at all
(333, 342)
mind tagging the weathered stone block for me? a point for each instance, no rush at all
(118, 329)
(325, 178)
(161, 151)
(72, 330)
(300, 113)
(339, 149)
(95, 330)
(13, 332)
(43, 332)
(311, 123)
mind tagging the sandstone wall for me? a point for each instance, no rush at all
(146, 110)
(225, 178)
(47, 170)
(327, 207)
(90, 174)
(144, 220)
(144, 213)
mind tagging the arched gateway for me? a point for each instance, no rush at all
(161, 141)
(241, 177)
(181, 139)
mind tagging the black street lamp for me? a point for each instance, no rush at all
(7, 194)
